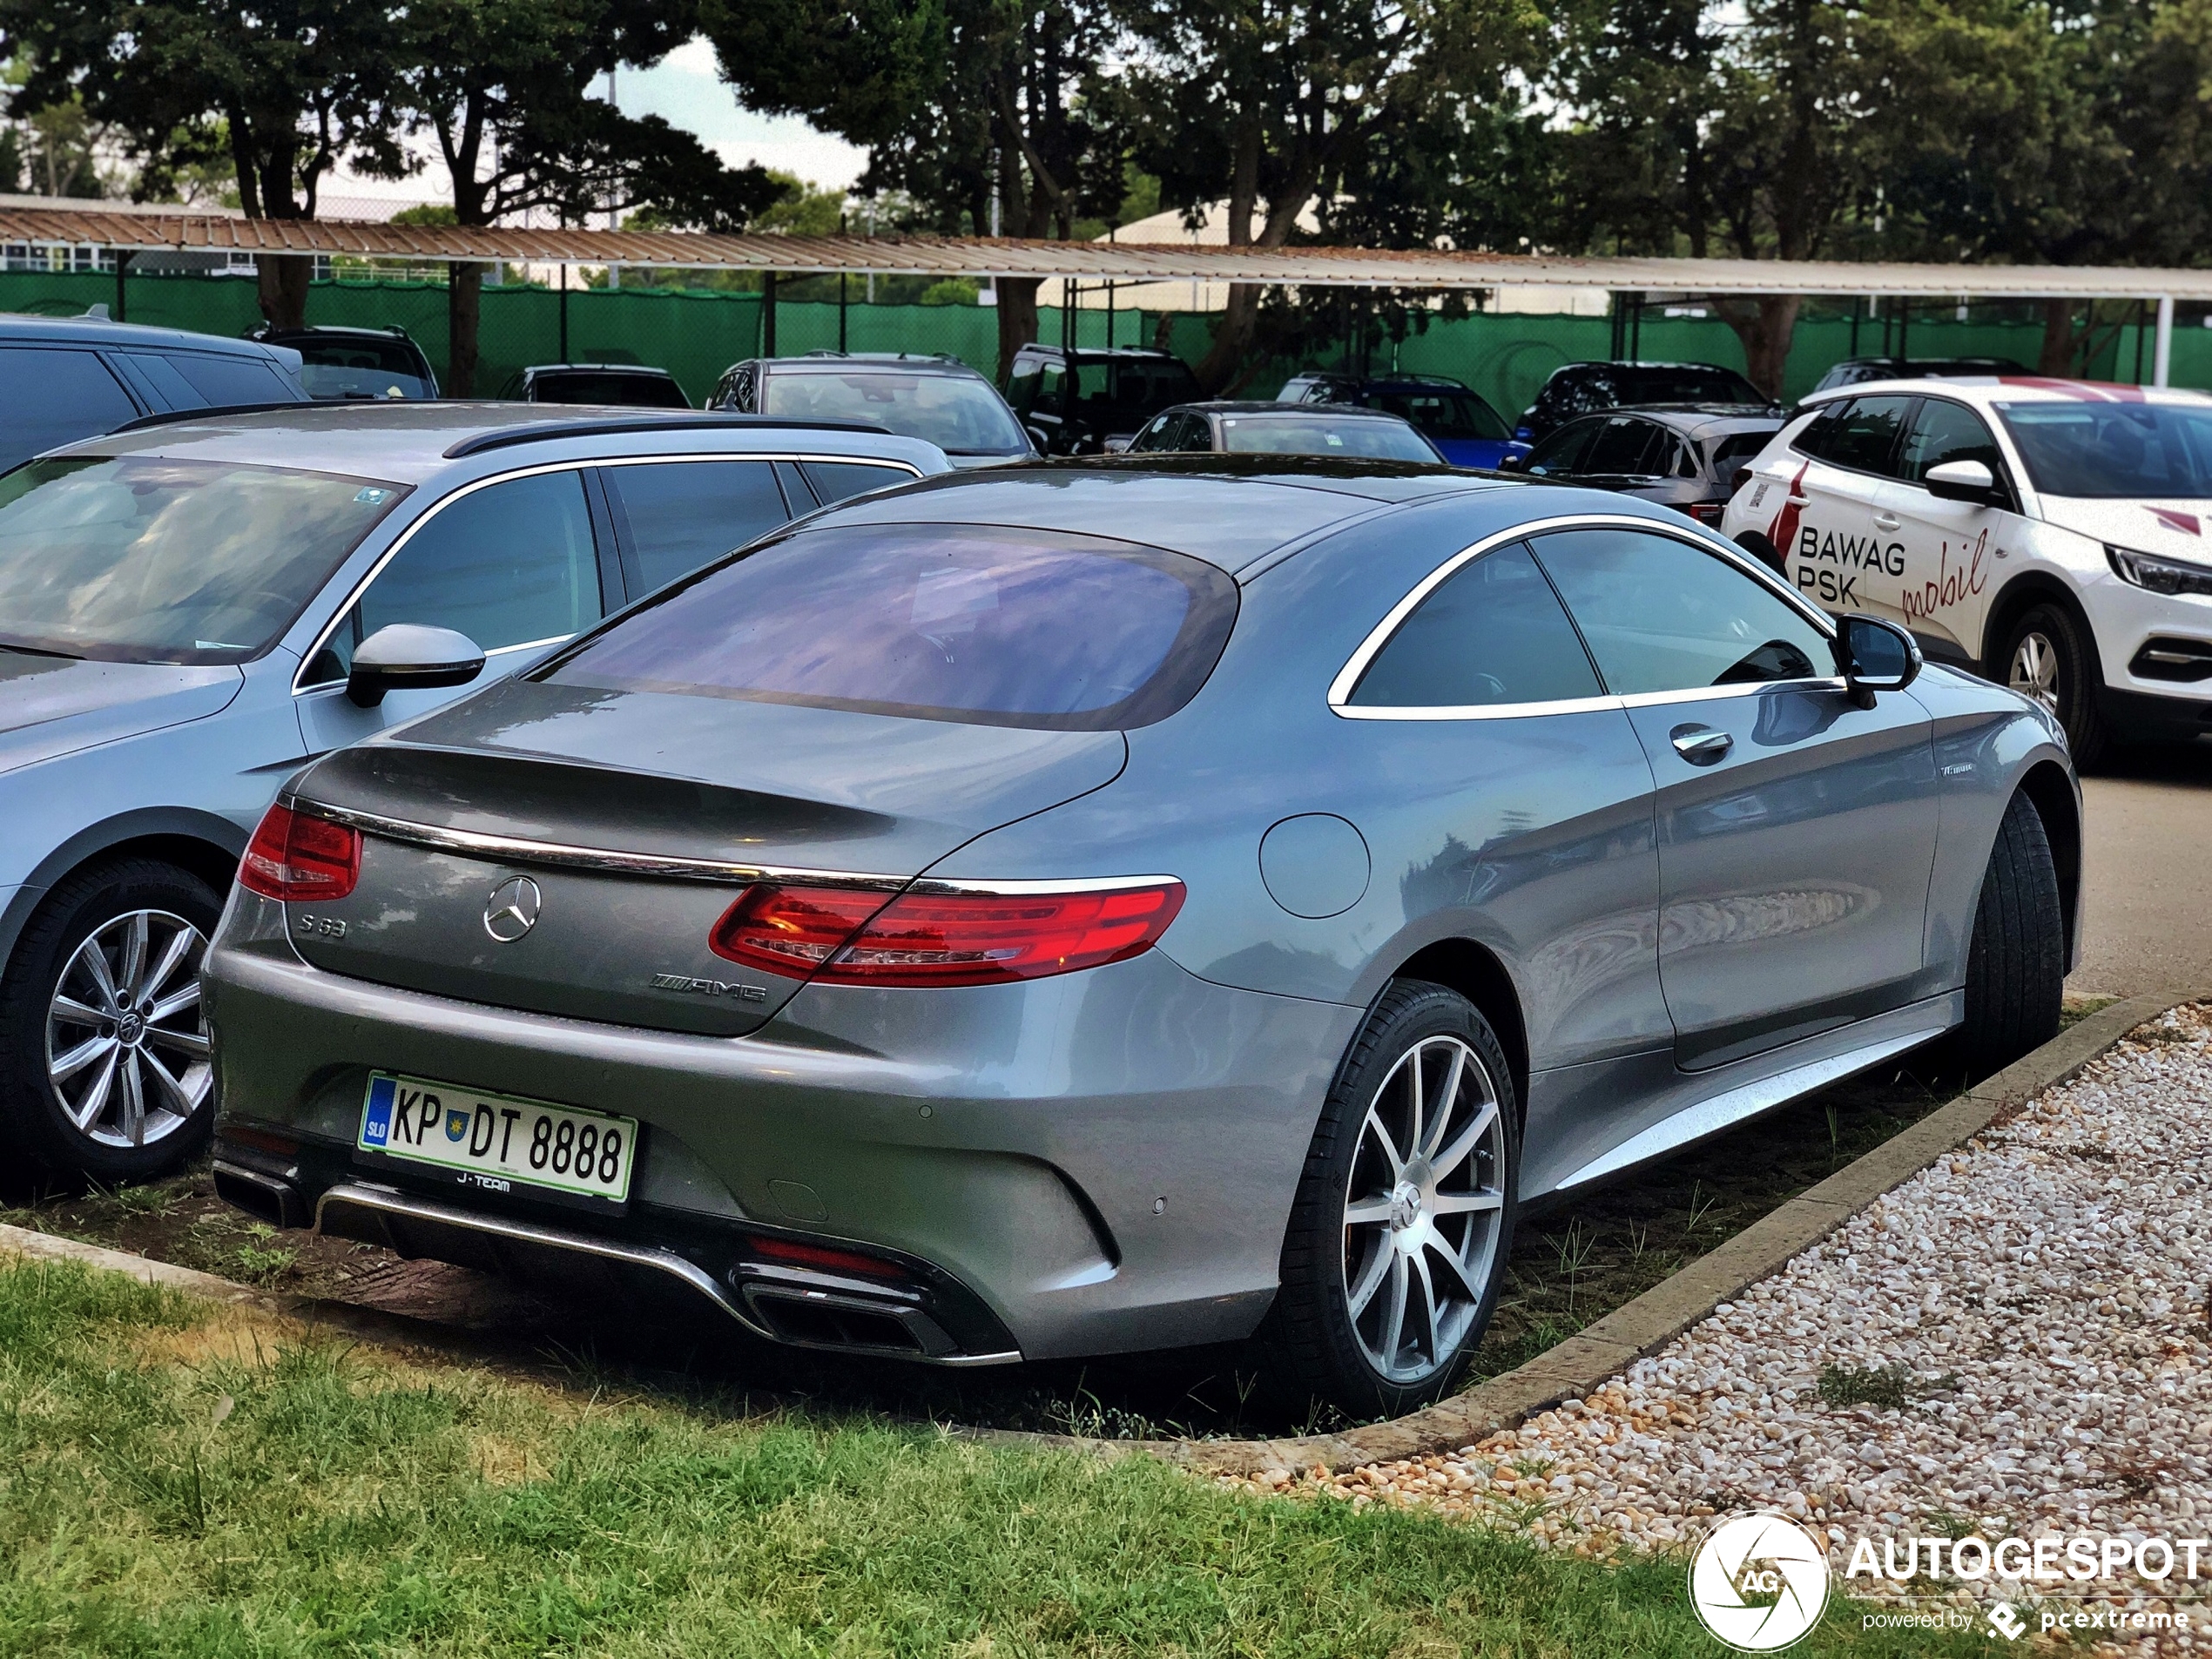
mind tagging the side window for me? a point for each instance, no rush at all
(509, 565)
(1624, 446)
(1563, 450)
(56, 397)
(833, 481)
(218, 380)
(1051, 387)
(1021, 386)
(1812, 439)
(1945, 431)
(1863, 437)
(1194, 433)
(1159, 436)
(1663, 615)
(1492, 632)
(1682, 462)
(680, 514)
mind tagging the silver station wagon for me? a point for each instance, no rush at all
(1100, 907)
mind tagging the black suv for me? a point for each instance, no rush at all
(1856, 371)
(76, 377)
(939, 399)
(1587, 388)
(338, 363)
(624, 385)
(1085, 402)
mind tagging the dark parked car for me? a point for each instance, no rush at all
(1283, 430)
(1087, 402)
(338, 362)
(1460, 423)
(1097, 907)
(68, 378)
(1588, 389)
(941, 399)
(628, 385)
(1854, 371)
(1685, 458)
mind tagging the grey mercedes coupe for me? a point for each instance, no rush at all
(1097, 907)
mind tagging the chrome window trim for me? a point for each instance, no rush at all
(1347, 677)
(520, 850)
(300, 686)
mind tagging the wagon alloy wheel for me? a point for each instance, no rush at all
(2035, 670)
(1422, 1208)
(126, 1046)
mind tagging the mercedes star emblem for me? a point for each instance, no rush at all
(512, 909)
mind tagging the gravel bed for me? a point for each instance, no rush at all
(2014, 1342)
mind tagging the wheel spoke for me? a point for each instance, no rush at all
(72, 1011)
(1393, 1318)
(186, 1102)
(1371, 1280)
(1429, 1310)
(1446, 1098)
(68, 1064)
(1376, 1127)
(1456, 1153)
(95, 962)
(1366, 1212)
(1420, 1101)
(131, 967)
(94, 1102)
(134, 1101)
(180, 944)
(191, 1042)
(175, 1003)
(1462, 1203)
(1462, 1275)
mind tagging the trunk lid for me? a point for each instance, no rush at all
(698, 792)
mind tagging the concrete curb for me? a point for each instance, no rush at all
(1567, 1370)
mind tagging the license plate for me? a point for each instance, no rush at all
(496, 1140)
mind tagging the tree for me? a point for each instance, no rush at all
(962, 104)
(287, 87)
(502, 88)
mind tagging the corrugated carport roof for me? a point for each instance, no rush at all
(141, 231)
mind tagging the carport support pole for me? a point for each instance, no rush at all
(2161, 360)
(564, 314)
(768, 313)
(124, 257)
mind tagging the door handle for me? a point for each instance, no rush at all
(1886, 521)
(1700, 746)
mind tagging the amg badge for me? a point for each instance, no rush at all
(710, 987)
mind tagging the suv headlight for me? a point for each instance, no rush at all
(2159, 576)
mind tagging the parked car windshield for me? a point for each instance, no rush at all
(960, 416)
(2113, 449)
(1442, 413)
(138, 559)
(988, 625)
(340, 368)
(1319, 434)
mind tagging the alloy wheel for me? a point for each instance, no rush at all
(1422, 1210)
(2035, 670)
(126, 1045)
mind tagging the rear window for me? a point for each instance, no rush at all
(629, 391)
(343, 365)
(977, 623)
(1442, 413)
(961, 415)
(1322, 434)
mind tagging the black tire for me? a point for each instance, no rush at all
(34, 1118)
(1314, 1344)
(2055, 634)
(2016, 962)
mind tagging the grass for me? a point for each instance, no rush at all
(181, 1478)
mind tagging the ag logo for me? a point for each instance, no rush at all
(1759, 1582)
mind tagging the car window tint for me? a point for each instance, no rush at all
(1737, 449)
(1863, 437)
(220, 380)
(1193, 435)
(1159, 436)
(680, 514)
(1812, 437)
(627, 391)
(1663, 615)
(1681, 461)
(56, 396)
(1563, 450)
(1492, 632)
(1319, 433)
(834, 480)
(992, 625)
(509, 565)
(1624, 447)
(1943, 431)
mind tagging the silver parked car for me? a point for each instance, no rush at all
(1099, 906)
(1689, 457)
(192, 611)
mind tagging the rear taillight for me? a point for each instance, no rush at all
(296, 857)
(854, 938)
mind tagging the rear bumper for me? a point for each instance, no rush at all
(1095, 1163)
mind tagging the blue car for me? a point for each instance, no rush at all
(190, 610)
(1458, 423)
(1089, 906)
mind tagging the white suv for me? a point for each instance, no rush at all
(2051, 534)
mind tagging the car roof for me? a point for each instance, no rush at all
(324, 330)
(1229, 510)
(2014, 389)
(407, 441)
(1264, 406)
(1152, 354)
(100, 331)
(1696, 417)
(845, 363)
(599, 368)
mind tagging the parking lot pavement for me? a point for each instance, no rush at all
(2149, 876)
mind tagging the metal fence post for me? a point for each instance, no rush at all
(2161, 357)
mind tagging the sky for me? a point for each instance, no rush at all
(683, 89)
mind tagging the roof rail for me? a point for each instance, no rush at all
(543, 431)
(171, 417)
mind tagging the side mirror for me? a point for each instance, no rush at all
(1968, 481)
(408, 656)
(1511, 462)
(1878, 655)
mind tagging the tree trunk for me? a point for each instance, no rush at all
(1017, 319)
(1224, 359)
(280, 283)
(2059, 338)
(1766, 325)
(464, 309)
